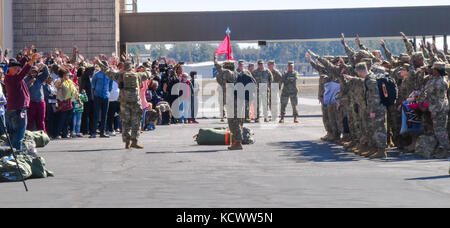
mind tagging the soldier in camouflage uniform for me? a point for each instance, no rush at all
(227, 74)
(277, 77)
(290, 92)
(342, 110)
(263, 76)
(222, 96)
(375, 112)
(130, 101)
(435, 94)
(324, 79)
(242, 70)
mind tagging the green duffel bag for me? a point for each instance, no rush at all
(213, 136)
(39, 137)
(8, 168)
(221, 136)
(30, 167)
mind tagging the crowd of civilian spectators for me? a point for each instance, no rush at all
(70, 97)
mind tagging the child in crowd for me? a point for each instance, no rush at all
(78, 108)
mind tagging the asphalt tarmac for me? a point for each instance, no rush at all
(287, 167)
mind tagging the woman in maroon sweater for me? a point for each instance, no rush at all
(18, 99)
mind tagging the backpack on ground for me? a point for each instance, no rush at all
(222, 136)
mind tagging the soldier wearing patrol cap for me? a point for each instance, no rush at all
(241, 68)
(264, 78)
(277, 77)
(435, 95)
(290, 92)
(227, 74)
(229, 64)
(245, 73)
(130, 101)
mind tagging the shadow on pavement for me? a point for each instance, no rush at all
(316, 151)
(83, 151)
(429, 178)
(320, 151)
(186, 152)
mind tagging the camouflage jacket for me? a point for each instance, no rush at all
(335, 73)
(225, 76)
(372, 94)
(277, 77)
(324, 79)
(129, 82)
(263, 76)
(435, 94)
(289, 83)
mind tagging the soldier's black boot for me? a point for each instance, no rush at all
(296, 120)
(282, 120)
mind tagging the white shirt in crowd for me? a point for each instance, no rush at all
(114, 94)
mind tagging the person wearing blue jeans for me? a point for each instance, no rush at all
(78, 108)
(101, 114)
(101, 88)
(18, 99)
(17, 124)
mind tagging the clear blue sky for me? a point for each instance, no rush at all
(218, 5)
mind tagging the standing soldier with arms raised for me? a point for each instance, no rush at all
(130, 101)
(324, 79)
(227, 74)
(376, 112)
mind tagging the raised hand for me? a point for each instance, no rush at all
(383, 44)
(308, 57)
(357, 40)
(313, 54)
(403, 36)
(96, 60)
(342, 39)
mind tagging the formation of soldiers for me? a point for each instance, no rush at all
(356, 117)
(263, 79)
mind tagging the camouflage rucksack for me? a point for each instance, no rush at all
(425, 146)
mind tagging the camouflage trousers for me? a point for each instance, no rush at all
(344, 113)
(131, 117)
(326, 118)
(440, 128)
(236, 126)
(333, 118)
(394, 125)
(377, 128)
(365, 136)
(354, 121)
(294, 102)
(223, 102)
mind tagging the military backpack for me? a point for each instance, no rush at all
(388, 89)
